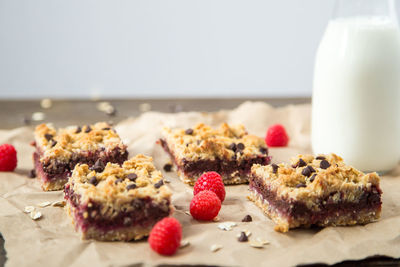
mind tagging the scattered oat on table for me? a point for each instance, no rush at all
(29, 209)
(215, 247)
(144, 107)
(60, 203)
(38, 116)
(44, 204)
(227, 226)
(46, 103)
(35, 215)
(184, 244)
(258, 242)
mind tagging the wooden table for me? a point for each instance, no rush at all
(17, 113)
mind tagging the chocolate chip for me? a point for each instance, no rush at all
(48, 137)
(119, 180)
(93, 180)
(232, 147)
(132, 176)
(167, 167)
(32, 173)
(247, 218)
(324, 164)
(264, 150)
(159, 184)
(26, 120)
(78, 129)
(243, 237)
(130, 186)
(240, 146)
(312, 178)
(300, 185)
(301, 163)
(307, 171)
(106, 128)
(189, 131)
(53, 143)
(98, 166)
(88, 129)
(274, 167)
(320, 157)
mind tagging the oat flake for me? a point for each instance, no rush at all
(29, 209)
(215, 247)
(184, 244)
(227, 226)
(60, 203)
(35, 215)
(44, 204)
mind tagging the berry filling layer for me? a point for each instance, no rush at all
(226, 168)
(141, 212)
(369, 201)
(58, 170)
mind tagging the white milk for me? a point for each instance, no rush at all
(356, 94)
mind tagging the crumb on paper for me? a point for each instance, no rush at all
(35, 215)
(38, 116)
(227, 226)
(106, 107)
(44, 204)
(60, 203)
(184, 243)
(188, 213)
(166, 180)
(216, 219)
(215, 247)
(29, 209)
(258, 242)
(144, 107)
(46, 103)
(245, 231)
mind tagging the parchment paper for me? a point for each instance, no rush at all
(51, 241)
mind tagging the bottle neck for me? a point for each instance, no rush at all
(365, 8)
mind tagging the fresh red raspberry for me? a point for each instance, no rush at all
(210, 181)
(165, 237)
(8, 158)
(205, 205)
(276, 136)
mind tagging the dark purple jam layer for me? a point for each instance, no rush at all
(45, 176)
(223, 167)
(369, 201)
(54, 169)
(145, 213)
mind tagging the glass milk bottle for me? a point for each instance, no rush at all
(356, 90)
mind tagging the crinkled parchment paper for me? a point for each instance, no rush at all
(51, 241)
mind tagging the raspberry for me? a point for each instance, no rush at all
(205, 205)
(210, 181)
(276, 136)
(8, 158)
(165, 237)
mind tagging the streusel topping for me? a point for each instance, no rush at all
(136, 178)
(315, 177)
(62, 143)
(204, 142)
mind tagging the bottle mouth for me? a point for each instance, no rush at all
(365, 8)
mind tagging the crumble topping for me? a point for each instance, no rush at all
(136, 178)
(204, 142)
(309, 178)
(62, 143)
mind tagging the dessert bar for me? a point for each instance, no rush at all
(319, 191)
(228, 150)
(118, 203)
(58, 151)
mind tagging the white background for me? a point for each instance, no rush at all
(164, 48)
